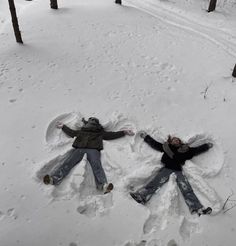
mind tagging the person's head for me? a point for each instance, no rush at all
(174, 141)
(93, 121)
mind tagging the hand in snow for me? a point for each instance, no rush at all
(84, 121)
(210, 145)
(59, 125)
(129, 132)
(142, 134)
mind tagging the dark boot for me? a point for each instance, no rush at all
(47, 179)
(207, 210)
(108, 188)
(137, 197)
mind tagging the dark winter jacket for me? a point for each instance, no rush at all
(179, 158)
(89, 139)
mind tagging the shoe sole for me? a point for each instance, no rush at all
(109, 188)
(46, 180)
(209, 211)
(205, 213)
(135, 198)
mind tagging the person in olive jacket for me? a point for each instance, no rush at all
(88, 140)
(175, 153)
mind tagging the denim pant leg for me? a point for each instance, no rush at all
(94, 158)
(68, 164)
(160, 178)
(189, 196)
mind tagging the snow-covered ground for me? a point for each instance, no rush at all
(5, 16)
(160, 66)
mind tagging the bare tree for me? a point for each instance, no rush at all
(234, 71)
(212, 5)
(15, 21)
(118, 2)
(53, 4)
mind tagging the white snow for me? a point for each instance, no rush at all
(160, 66)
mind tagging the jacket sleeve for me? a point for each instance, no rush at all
(68, 131)
(112, 135)
(153, 143)
(199, 149)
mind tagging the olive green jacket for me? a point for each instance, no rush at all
(91, 139)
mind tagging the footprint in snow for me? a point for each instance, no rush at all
(151, 242)
(172, 243)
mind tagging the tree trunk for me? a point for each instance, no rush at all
(234, 72)
(212, 5)
(15, 21)
(53, 4)
(118, 2)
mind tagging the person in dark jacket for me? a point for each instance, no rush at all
(89, 141)
(175, 153)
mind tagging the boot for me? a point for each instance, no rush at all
(47, 179)
(137, 197)
(207, 210)
(108, 188)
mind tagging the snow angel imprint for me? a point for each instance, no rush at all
(175, 153)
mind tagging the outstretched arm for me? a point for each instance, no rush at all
(68, 131)
(113, 135)
(153, 143)
(200, 149)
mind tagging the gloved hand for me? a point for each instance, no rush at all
(210, 145)
(129, 132)
(84, 121)
(59, 124)
(142, 134)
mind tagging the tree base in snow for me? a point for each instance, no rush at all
(118, 2)
(212, 5)
(234, 72)
(53, 4)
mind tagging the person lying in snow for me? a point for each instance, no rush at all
(88, 140)
(175, 153)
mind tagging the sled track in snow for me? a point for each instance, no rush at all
(219, 38)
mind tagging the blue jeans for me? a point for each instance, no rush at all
(94, 159)
(161, 178)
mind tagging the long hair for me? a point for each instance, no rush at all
(170, 138)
